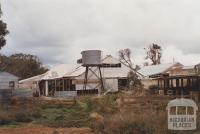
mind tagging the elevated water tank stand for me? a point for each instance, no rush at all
(100, 77)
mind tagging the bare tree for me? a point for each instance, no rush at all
(154, 53)
(125, 57)
(132, 76)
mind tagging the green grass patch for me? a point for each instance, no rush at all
(57, 113)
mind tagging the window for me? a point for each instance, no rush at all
(69, 86)
(51, 84)
(181, 110)
(173, 111)
(59, 85)
(11, 84)
(190, 111)
(111, 65)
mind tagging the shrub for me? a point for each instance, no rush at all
(133, 80)
(5, 118)
(22, 117)
(97, 121)
(14, 100)
(153, 89)
(127, 124)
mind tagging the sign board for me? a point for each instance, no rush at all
(182, 114)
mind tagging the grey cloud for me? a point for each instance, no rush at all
(57, 30)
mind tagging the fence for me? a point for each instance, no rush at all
(7, 93)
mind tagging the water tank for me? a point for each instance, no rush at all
(91, 57)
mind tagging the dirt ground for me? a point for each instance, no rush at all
(45, 130)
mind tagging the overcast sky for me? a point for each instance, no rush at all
(58, 30)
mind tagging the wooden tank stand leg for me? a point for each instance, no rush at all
(101, 79)
(86, 78)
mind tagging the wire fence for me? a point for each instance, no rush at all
(6, 94)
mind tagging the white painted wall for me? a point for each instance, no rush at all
(89, 86)
(65, 93)
(111, 85)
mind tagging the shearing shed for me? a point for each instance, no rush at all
(68, 79)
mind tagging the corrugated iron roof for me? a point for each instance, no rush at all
(34, 78)
(75, 70)
(106, 72)
(6, 74)
(157, 69)
(189, 67)
(59, 71)
(109, 59)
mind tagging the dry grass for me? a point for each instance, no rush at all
(140, 115)
(123, 113)
(56, 113)
(45, 130)
(132, 123)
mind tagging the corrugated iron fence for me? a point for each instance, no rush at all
(7, 93)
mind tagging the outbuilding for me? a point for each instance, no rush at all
(151, 73)
(68, 79)
(8, 80)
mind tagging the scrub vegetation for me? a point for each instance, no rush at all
(55, 113)
(122, 113)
